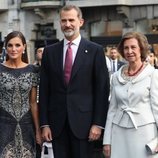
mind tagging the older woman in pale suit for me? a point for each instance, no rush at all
(132, 119)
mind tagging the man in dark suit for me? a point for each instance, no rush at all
(114, 58)
(73, 97)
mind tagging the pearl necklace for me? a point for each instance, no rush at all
(133, 74)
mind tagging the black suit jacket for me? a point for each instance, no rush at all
(119, 64)
(85, 100)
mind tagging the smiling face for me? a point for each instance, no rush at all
(70, 23)
(132, 51)
(15, 48)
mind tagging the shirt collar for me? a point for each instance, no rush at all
(114, 60)
(76, 41)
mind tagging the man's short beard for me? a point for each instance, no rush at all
(69, 34)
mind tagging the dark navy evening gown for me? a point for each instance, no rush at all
(17, 137)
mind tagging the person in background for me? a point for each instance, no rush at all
(74, 90)
(114, 59)
(38, 59)
(108, 63)
(39, 53)
(152, 59)
(18, 106)
(132, 119)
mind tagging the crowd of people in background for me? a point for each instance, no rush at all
(75, 94)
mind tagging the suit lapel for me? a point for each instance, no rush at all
(118, 65)
(80, 57)
(59, 59)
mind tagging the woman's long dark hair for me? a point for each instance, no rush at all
(21, 36)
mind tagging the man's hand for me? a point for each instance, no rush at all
(46, 134)
(95, 133)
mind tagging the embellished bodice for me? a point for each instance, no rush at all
(15, 88)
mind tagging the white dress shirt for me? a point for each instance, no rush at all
(108, 63)
(74, 47)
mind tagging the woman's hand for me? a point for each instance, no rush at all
(38, 137)
(107, 151)
(156, 150)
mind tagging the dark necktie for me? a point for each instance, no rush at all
(114, 67)
(68, 64)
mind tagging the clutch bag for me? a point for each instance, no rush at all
(47, 150)
(151, 146)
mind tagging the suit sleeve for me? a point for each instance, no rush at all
(101, 88)
(44, 90)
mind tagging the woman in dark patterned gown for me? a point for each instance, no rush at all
(19, 124)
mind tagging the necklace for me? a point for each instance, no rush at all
(133, 74)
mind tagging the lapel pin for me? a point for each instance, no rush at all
(86, 51)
